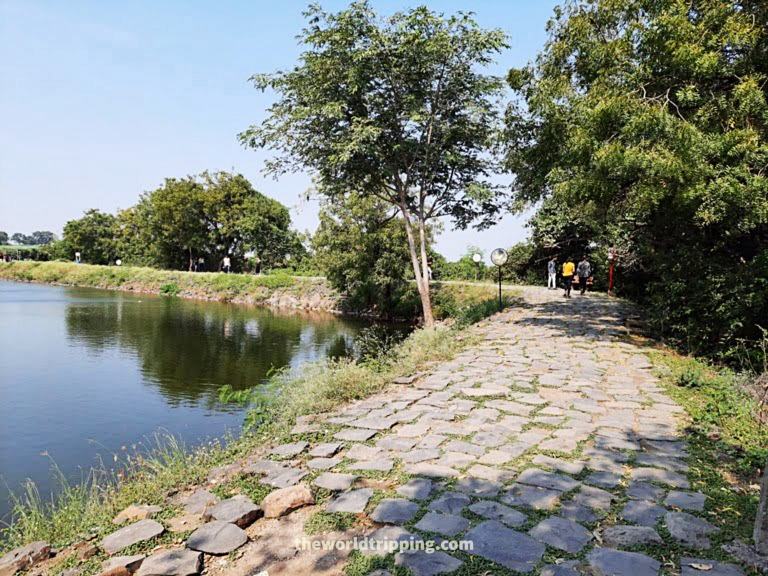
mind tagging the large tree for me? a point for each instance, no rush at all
(93, 236)
(399, 109)
(644, 124)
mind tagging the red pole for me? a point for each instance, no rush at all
(610, 278)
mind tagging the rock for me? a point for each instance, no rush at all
(394, 511)
(130, 563)
(594, 498)
(660, 476)
(353, 501)
(133, 513)
(217, 538)
(284, 478)
(355, 434)
(623, 536)
(325, 450)
(703, 567)
(323, 463)
(236, 510)
(24, 557)
(478, 487)
(175, 562)
(379, 465)
(443, 524)
(141, 531)
(644, 491)
(561, 465)
(288, 450)
(578, 513)
(497, 543)
(286, 500)
(562, 534)
(116, 571)
(334, 481)
(531, 497)
(607, 562)
(198, 501)
(416, 489)
(422, 563)
(222, 473)
(603, 479)
(685, 500)
(431, 470)
(642, 512)
(495, 511)
(543, 479)
(450, 503)
(388, 539)
(404, 380)
(689, 530)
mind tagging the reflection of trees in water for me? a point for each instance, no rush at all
(190, 349)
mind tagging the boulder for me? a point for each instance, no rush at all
(286, 500)
(129, 563)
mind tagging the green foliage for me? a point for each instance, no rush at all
(93, 236)
(397, 109)
(324, 522)
(642, 125)
(722, 409)
(469, 304)
(362, 250)
(210, 216)
(3, 237)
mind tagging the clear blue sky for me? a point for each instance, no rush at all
(100, 101)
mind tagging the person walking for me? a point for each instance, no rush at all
(552, 274)
(227, 264)
(568, 269)
(584, 270)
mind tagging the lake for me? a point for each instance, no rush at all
(84, 372)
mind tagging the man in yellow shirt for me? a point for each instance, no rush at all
(568, 269)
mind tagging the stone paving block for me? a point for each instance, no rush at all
(495, 511)
(416, 489)
(531, 497)
(217, 538)
(443, 524)
(578, 513)
(478, 487)
(140, 531)
(422, 563)
(565, 569)
(353, 501)
(595, 498)
(685, 500)
(489, 439)
(643, 512)
(326, 450)
(644, 491)
(238, 510)
(363, 452)
(355, 434)
(381, 541)
(544, 479)
(394, 511)
(334, 481)
(628, 536)
(288, 450)
(660, 476)
(607, 562)
(561, 534)
(455, 460)
(603, 479)
(568, 467)
(397, 444)
(431, 471)
(464, 447)
(689, 530)
(323, 463)
(173, 562)
(373, 465)
(450, 503)
(497, 543)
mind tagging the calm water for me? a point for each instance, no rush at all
(84, 372)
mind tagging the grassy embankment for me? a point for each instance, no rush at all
(241, 288)
(165, 466)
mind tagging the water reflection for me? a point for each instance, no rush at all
(188, 350)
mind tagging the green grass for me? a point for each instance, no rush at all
(324, 522)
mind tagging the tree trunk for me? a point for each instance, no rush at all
(190, 259)
(426, 302)
(761, 522)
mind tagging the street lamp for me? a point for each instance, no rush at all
(499, 258)
(476, 258)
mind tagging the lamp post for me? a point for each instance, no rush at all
(499, 258)
(476, 258)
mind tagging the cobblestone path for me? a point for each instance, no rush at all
(548, 445)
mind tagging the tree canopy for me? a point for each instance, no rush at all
(394, 108)
(643, 124)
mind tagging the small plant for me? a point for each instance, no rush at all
(170, 289)
(324, 522)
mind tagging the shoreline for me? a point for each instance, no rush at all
(274, 291)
